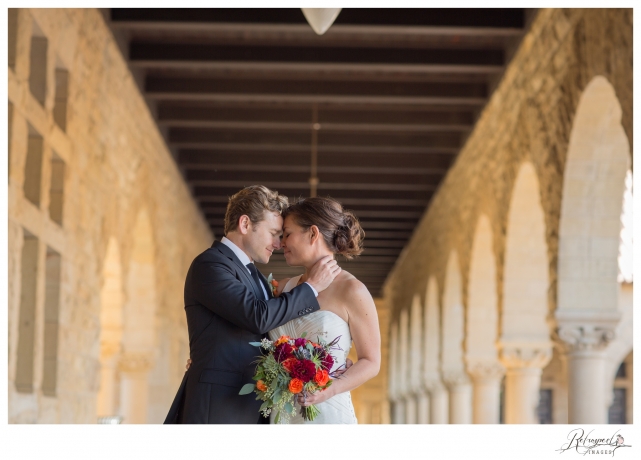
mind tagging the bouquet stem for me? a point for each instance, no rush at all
(309, 413)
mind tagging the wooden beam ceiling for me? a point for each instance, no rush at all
(397, 92)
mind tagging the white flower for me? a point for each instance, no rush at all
(266, 344)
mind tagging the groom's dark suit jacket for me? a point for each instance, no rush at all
(225, 311)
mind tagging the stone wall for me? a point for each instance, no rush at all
(81, 109)
(528, 118)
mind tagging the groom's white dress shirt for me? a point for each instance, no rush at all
(244, 259)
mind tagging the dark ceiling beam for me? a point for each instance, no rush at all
(283, 88)
(265, 168)
(349, 202)
(259, 118)
(327, 72)
(406, 17)
(257, 113)
(382, 243)
(333, 159)
(214, 178)
(178, 136)
(416, 101)
(235, 148)
(344, 196)
(212, 53)
(322, 186)
(206, 86)
(327, 127)
(412, 37)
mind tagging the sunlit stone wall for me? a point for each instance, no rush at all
(92, 331)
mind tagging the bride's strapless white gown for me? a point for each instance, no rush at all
(328, 326)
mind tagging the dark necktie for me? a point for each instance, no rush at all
(256, 278)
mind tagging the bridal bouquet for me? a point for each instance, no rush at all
(287, 368)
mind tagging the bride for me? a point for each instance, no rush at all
(312, 229)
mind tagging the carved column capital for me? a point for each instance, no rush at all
(585, 331)
(135, 362)
(485, 370)
(455, 378)
(585, 337)
(433, 386)
(525, 355)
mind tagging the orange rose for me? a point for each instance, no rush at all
(295, 386)
(261, 385)
(321, 377)
(274, 283)
(282, 339)
(288, 363)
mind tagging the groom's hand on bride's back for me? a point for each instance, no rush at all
(323, 273)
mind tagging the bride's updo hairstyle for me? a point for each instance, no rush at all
(340, 228)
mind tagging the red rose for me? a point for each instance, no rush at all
(295, 386)
(321, 377)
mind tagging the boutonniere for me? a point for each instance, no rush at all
(272, 283)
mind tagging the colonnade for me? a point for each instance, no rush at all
(456, 363)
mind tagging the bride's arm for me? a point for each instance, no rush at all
(363, 326)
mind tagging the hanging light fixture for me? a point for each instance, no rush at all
(321, 19)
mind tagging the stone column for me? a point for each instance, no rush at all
(460, 392)
(134, 391)
(439, 402)
(584, 346)
(399, 411)
(423, 408)
(486, 380)
(524, 364)
(410, 409)
(107, 392)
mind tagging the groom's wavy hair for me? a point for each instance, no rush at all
(253, 201)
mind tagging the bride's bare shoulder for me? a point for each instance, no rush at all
(352, 289)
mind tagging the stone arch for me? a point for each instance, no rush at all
(482, 310)
(139, 336)
(111, 330)
(482, 326)
(593, 186)
(452, 342)
(588, 310)
(622, 386)
(525, 343)
(432, 355)
(621, 347)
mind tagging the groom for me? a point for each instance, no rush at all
(229, 304)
